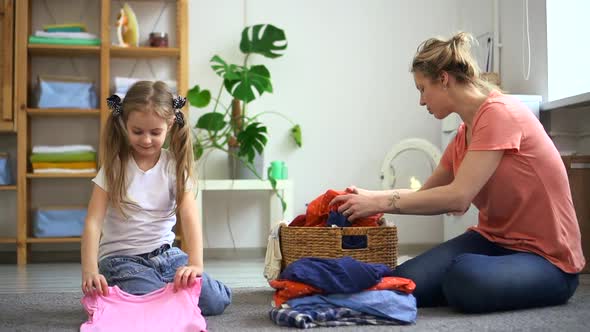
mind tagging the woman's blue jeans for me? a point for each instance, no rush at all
(472, 274)
(145, 273)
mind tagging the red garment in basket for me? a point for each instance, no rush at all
(319, 209)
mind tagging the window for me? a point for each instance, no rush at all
(568, 48)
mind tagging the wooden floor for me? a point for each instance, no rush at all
(65, 277)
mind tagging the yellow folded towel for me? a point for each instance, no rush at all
(72, 165)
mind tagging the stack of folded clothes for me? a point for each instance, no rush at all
(63, 159)
(64, 34)
(321, 292)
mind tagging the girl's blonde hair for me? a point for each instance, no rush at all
(144, 96)
(436, 55)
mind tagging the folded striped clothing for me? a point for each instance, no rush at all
(64, 41)
(67, 35)
(325, 317)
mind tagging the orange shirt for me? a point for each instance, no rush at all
(526, 205)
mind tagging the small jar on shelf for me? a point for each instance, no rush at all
(159, 39)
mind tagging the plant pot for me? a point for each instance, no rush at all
(239, 171)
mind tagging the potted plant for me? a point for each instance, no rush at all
(229, 126)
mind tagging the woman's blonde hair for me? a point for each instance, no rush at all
(436, 55)
(144, 96)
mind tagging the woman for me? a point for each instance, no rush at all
(526, 249)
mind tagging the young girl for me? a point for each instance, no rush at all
(138, 191)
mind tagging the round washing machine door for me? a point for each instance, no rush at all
(418, 158)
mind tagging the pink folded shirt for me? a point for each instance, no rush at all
(160, 310)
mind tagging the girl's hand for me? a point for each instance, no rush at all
(186, 276)
(93, 282)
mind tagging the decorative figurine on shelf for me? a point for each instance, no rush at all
(127, 27)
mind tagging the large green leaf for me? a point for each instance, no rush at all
(252, 139)
(212, 121)
(198, 150)
(264, 39)
(296, 134)
(256, 79)
(198, 98)
(225, 70)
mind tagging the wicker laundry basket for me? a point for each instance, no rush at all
(326, 242)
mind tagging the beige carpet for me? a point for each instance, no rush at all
(249, 312)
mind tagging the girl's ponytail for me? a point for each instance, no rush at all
(115, 153)
(182, 149)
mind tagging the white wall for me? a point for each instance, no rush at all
(345, 78)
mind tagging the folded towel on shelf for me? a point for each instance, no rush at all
(64, 41)
(63, 148)
(66, 165)
(67, 35)
(63, 157)
(71, 27)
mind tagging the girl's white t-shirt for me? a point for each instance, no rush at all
(149, 207)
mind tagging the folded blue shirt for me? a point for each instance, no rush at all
(380, 303)
(335, 275)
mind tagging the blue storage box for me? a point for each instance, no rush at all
(65, 92)
(55, 222)
(5, 173)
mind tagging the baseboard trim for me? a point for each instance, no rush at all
(414, 249)
(73, 256)
(9, 257)
(233, 253)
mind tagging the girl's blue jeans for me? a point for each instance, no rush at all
(472, 274)
(145, 273)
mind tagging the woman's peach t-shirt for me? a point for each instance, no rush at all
(526, 205)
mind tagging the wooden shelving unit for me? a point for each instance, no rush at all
(53, 240)
(63, 50)
(7, 109)
(7, 240)
(7, 123)
(144, 52)
(62, 112)
(7, 188)
(104, 54)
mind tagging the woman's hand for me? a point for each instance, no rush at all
(94, 282)
(186, 276)
(363, 192)
(360, 203)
